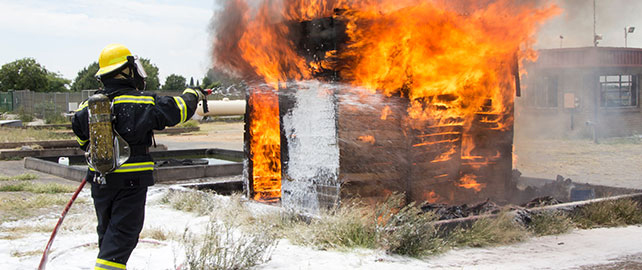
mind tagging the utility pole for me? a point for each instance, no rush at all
(628, 30)
(594, 22)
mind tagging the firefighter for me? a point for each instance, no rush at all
(119, 196)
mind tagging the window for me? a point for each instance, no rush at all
(619, 91)
(544, 94)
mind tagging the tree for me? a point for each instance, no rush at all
(24, 74)
(174, 82)
(56, 83)
(152, 74)
(86, 79)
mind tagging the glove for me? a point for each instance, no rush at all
(200, 94)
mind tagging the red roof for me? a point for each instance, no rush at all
(589, 57)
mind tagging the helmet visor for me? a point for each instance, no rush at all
(139, 67)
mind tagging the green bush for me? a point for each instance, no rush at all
(24, 116)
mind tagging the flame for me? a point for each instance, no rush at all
(468, 181)
(385, 112)
(454, 60)
(367, 139)
(431, 197)
(265, 145)
(446, 155)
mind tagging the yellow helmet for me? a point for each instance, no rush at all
(111, 58)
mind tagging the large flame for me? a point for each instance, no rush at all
(455, 61)
(265, 145)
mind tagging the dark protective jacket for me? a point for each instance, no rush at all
(137, 114)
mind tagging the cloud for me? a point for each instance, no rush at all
(68, 35)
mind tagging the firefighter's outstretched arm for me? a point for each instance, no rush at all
(170, 111)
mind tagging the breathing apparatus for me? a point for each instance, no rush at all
(107, 149)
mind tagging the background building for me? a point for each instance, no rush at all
(574, 92)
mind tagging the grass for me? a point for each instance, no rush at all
(49, 188)
(202, 203)
(26, 205)
(16, 253)
(157, 234)
(19, 177)
(608, 214)
(393, 227)
(490, 231)
(550, 223)
(390, 226)
(28, 134)
(346, 227)
(222, 247)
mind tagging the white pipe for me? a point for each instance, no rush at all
(223, 107)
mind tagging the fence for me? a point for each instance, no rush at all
(41, 104)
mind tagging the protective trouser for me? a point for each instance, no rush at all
(120, 212)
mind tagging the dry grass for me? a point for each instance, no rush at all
(608, 214)
(391, 226)
(202, 203)
(491, 231)
(49, 188)
(347, 227)
(550, 223)
(224, 247)
(29, 134)
(23, 231)
(20, 177)
(19, 206)
(159, 234)
(16, 253)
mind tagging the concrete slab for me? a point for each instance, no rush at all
(10, 123)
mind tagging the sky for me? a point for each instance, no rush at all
(67, 35)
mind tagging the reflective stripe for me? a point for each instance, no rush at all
(83, 105)
(104, 264)
(81, 142)
(134, 99)
(189, 90)
(180, 102)
(133, 167)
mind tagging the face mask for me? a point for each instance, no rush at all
(139, 74)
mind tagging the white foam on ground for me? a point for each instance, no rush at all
(567, 251)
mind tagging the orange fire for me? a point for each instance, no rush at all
(453, 59)
(431, 197)
(367, 139)
(385, 112)
(265, 145)
(468, 181)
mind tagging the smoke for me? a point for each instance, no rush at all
(575, 24)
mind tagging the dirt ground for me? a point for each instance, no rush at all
(212, 135)
(613, 162)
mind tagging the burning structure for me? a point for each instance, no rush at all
(365, 98)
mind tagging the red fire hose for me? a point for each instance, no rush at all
(43, 261)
